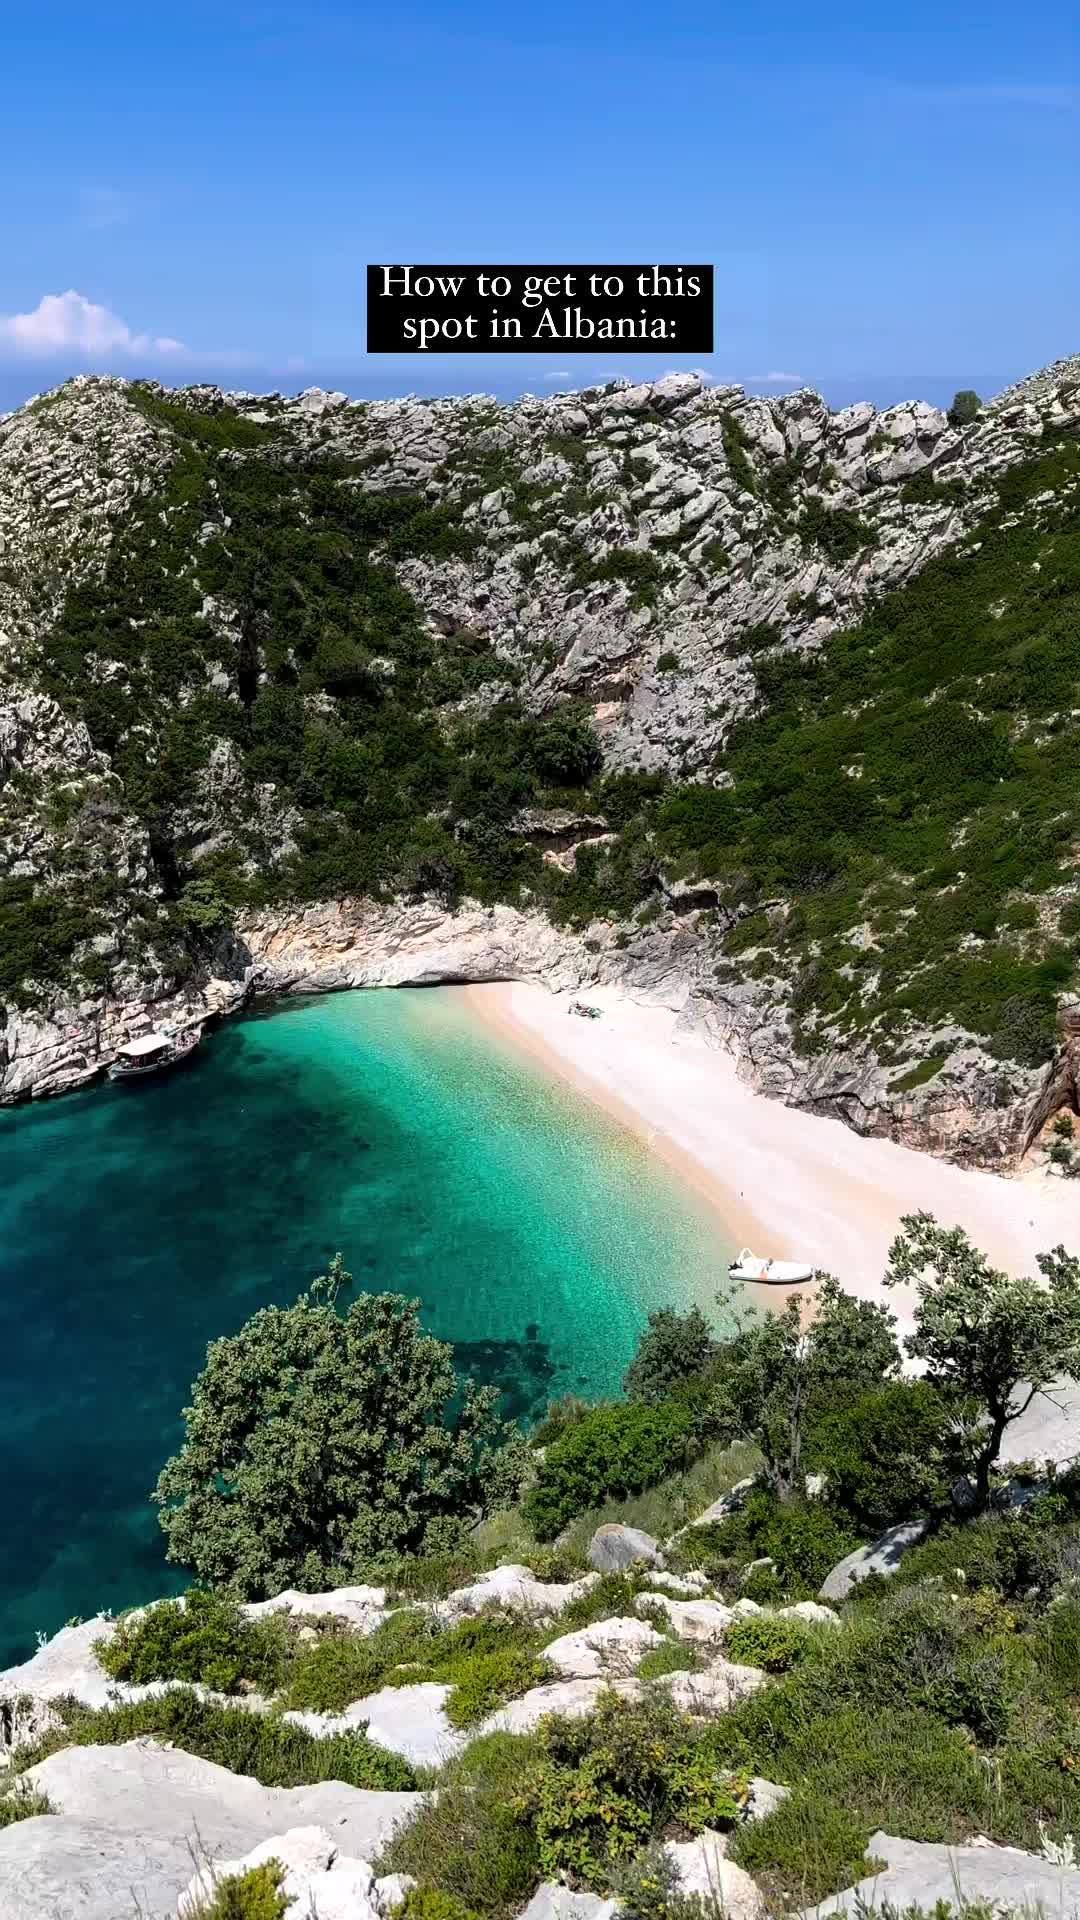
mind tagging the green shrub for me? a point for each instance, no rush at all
(673, 1349)
(204, 1637)
(272, 1751)
(21, 1803)
(339, 1668)
(466, 1841)
(885, 1458)
(804, 1851)
(489, 1679)
(671, 1656)
(428, 1903)
(766, 1640)
(806, 1541)
(605, 1784)
(612, 1451)
(254, 1895)
(966, 407)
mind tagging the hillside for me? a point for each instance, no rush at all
(767, 712)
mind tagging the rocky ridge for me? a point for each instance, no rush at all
(630, 548)
(132, 1820)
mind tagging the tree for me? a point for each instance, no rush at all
(965, 408)
(674, 1348)
(774, 1377)
(317, 1439)
(986, 1338)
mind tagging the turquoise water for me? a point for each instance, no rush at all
(138, 1222)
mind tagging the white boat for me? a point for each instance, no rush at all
(775, 1273)
(150, 1052)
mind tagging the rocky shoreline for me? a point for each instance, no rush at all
(976, 1113)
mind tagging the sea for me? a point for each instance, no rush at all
(139, 1222)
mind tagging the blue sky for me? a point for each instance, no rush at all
(891, 203)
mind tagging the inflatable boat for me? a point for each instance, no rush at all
(775, 1273)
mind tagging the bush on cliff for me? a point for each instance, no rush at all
(203, 1638)
(672, 1351)
(612, 1451)
(990, 1341)
(885, 1457)
(317, 1439)
(777, 1376)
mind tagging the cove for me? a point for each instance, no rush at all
(138, 1222)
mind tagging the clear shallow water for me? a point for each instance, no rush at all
(136, 1223)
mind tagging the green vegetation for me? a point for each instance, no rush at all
(838, 532)
(917, 775)
(202, 1638)
(268, 1749)
(486, 1660)
(965, 408)
(21, 1803)
(989, 1341)
(885, 1457)
(254, 1895)
(673, 1349)
(367, 1394)
(613, 1451)
(767, 1640)
(603, 1785)
(737, 449)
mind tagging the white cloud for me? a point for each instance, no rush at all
(70, 323)
(558, 373)
(772, 379)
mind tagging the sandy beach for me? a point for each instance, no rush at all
(786, 1183)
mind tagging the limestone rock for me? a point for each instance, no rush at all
(883, 1556)
(516, 1588)
(362, 1608)
(810, 1611)
(704, 1869)
(727, 1504)
(410, 1721)
(128, 1818)
(615, 1547)
(765, 1797)
(318, 1879)
(611, 1647)
(921, 1873)
(572, 1698)
(552, 1902)
(705, 1620)
(716, 1690)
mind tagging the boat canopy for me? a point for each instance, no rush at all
(145, 1044)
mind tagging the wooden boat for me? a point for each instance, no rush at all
(152, 1052)
(774, 1273)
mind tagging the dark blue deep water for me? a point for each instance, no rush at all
(138, 1222)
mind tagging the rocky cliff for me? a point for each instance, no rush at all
(313, 692)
